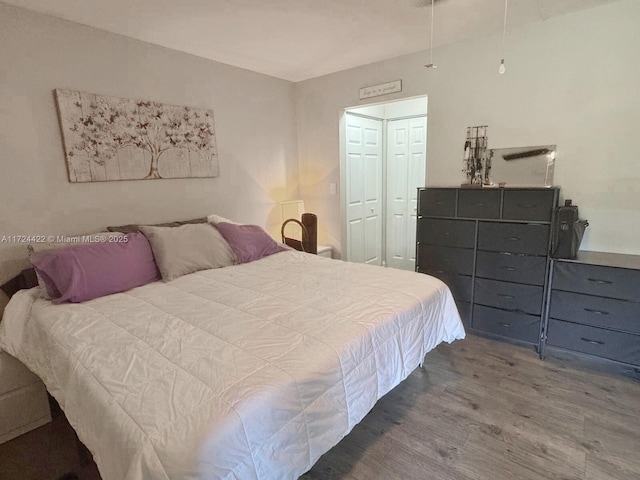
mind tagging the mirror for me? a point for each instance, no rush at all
(523, 166)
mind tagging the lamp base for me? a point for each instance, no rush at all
(310, 221)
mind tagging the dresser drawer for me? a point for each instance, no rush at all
(460, 285)
(529, 238)
(445, 259)
(534, 205)
(464, 309)
(22, 410)
(479, 203)
(515, 325)
(595, 311)
(509, 296)
(610, 282)
(13, 374)
(512, 267)
(448, 233)
(437, 202)
(623, 347)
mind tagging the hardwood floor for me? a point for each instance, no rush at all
(479, 410)
(46, 453)
(487, 410)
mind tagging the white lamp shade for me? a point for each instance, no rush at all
(292, 209)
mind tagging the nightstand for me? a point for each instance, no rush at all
(325, 251)
(23, 399)
(594, 307)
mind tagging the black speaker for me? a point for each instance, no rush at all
(568, 231)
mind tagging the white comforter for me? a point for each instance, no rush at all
(246, 372)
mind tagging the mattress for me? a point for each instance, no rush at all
(246, 372)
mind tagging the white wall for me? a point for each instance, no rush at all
(254, 122)
(395, 109)
(573, 81)
(405, 108)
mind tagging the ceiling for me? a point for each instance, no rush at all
(300, 39)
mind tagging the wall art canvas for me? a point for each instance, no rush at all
(111, 138)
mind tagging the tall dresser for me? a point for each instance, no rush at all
(491, 246)
(594, 308)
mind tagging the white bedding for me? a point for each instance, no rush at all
(245, 372)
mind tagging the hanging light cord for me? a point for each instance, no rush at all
(431, 34)
(431, 64)
(504, 34)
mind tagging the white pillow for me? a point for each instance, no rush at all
(213, 218)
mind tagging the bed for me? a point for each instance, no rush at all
(251, 371)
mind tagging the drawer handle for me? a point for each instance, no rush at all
(513, 239)
(446, 260)
(597, 312)
(479, 204)
(600, 282)
(508, 269)
(439, 203)
(514, 310)
(504, 295)
(527, 205)
(593, 342)
(504, 324)
(446, 233)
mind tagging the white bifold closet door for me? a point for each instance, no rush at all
(406, 165)
(364, 189)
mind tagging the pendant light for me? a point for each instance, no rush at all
(502, 68)
(431, 64)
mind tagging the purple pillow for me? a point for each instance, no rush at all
(82, 272)
(248, 242)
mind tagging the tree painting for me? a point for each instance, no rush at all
(109, 138)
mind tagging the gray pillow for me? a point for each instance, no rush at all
(187, 249)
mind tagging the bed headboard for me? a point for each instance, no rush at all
(3, 303)
(25, 279)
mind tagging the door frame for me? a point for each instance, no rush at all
(342, 131)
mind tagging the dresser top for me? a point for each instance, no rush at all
(606, 259)
(496, 187)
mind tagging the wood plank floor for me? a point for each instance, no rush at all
(479, 410)
(45, 453)
(487, 410)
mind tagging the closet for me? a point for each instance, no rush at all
(383, 164)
